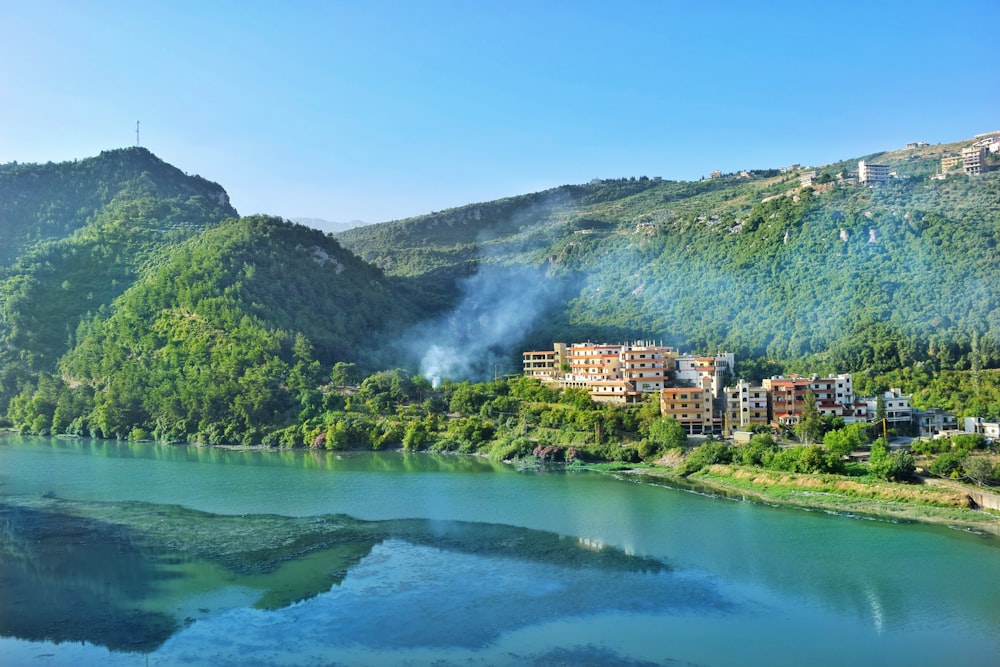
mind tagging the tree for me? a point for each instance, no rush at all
(810, 427)
(980, 470)
(897, 466)
(667, 432)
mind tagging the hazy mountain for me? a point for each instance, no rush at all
(327, 226)
(847, 276)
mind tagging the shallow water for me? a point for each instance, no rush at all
(149, 554)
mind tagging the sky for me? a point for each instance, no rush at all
(377, 110)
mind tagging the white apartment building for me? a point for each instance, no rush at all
(898, 411)
(692, 371)
(872, 173)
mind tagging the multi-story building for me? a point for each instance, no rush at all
(611, 373)
(897, 408)
(545, 364)
(693, 371)
(834, 396)
(744, 406)
(872, 173)
(691, 406)
(950, 162)
(933, 421)
(973, 160)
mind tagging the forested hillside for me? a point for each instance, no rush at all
(137, 298)
(834, 276)
(76, 236)
(134, 303)
(229, 338)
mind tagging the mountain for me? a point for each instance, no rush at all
(832, 276)
(229, 335)
(327, 226)
(52, 201)
(137, 283)
(134, 302)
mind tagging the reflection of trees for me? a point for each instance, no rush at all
(81, 571)
(69, 578)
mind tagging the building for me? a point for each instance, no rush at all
(898, 412)
(692, 371)
(872, 173)
(932, 422)
(690, 406)
(950, 162)
(988, 429)
(619, 373)
(973, 160)
(834, 397)
(744, 406)
(807, 178)
(545, 364)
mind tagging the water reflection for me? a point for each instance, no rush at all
(128, 575)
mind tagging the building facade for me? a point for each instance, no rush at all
(619, 373)
(744, 406)
(690, 406)
(898, 412)
(872, 173)
(933, 422)
(834, 397)
(973, 160)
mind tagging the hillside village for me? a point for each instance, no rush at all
(699, 392)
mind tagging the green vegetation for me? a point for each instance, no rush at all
(754, 265)
(134, 304)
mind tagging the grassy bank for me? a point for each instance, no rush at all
(843, 495)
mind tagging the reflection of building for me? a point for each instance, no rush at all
(872, 173)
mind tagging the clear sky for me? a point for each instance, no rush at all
(377, 110)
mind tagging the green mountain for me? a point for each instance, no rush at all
(835, 276)
(133, 301)
(154, 304)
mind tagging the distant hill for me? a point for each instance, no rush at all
(47, 202)
(327, 226)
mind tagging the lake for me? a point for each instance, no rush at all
(143, 554)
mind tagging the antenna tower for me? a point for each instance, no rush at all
(136, 134)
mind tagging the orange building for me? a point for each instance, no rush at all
(690, 406)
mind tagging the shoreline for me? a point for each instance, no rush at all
(894, 503)
(885, 501)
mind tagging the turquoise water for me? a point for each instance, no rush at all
(149, 554)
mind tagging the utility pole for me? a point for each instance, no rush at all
(136, 134)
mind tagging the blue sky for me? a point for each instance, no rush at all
(378, 110)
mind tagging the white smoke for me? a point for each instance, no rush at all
(477, 339)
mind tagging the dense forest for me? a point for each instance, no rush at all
(135, 303)
(830, 277)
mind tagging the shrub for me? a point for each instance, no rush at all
(706, 455)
